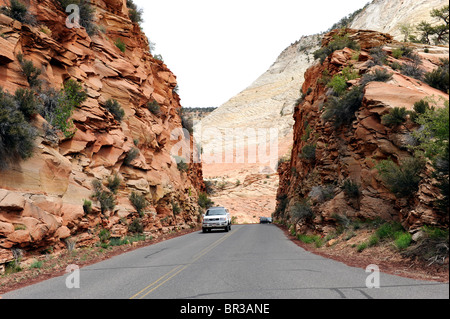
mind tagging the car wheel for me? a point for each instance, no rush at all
(226, 229)
(204, 230)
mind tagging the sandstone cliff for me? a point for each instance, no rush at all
(324, 156)
(41, 199)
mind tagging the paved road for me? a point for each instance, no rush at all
(250, 262)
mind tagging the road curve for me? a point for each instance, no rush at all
(250, 262)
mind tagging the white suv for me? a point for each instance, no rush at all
(216, 218)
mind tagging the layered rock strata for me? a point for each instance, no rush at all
(41, 199)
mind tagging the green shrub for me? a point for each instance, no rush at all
(113, 183)
(341, 110)
(182, 166)
(19, 11)
(87, 14)
(17, 135)
(402, 180)
(389, 230)
(135, 13)
(104, 235)
(439, 78)
(309, 152)
(339, 42)
(136, 226)
(361, 247)
(413, 68)
(379, 56)
(396, 116)
(131, 156)
(351, 189)
(115, 109)
(301, 211)
(175, 208)
(121, 45)
(378, 76)
(139, 202)
(403, 240)
(28, 102)
(373, 241)
(106, 199)
(87, 206)
(204, 201)
(433, 140)
(30, 71)
(154, 108)
(338, 83)
(58, 106)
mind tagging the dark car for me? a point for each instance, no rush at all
(265, 220)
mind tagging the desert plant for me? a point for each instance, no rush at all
(439, 78)
(136, 226)
(300, 211)
(28, 102)
(339, 42)
(413, 67)
(115, 109)
(403, 179)
(395, 117)
(87, 14)
(309, 152)
(17, 135)
(403, 240)
(139, 202)
(30, 71)
(58, 106)
(19, 11)
(379, 56)
(113, 183)
(204, 201)
(87, 206)
(121, 45)
(175, 208)
(106, 199)
(341, 110)
(351, 189)
(338, 83)
(380, 75)
(154, 107)
(136, 14)
(182, 166)
(131, 156)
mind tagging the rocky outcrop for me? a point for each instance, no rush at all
(353, 151)
(41, 199)
(389, 16)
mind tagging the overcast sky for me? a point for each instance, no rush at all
(218, 48)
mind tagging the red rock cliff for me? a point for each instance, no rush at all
(41, 199)
(352, 151)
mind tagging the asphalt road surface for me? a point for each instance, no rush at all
(250, 262)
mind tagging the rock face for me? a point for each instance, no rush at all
(269, 102)
(41, 199)
(389, 16)
(352, 151)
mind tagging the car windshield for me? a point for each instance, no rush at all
(215, 212)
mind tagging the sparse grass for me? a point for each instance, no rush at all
(121, 45)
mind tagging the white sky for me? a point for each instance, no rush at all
(218, 48)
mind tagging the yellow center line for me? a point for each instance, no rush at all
(174, 272)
